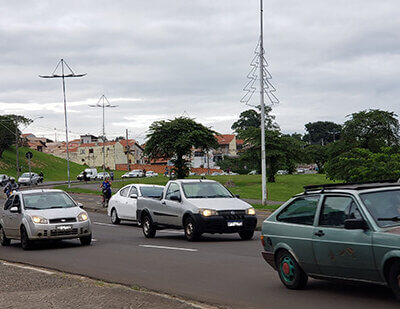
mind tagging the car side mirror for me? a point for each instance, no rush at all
(79, 205)
(176, 198)
(133, 195)
(14, 209)
(355, 224)
(237, 195)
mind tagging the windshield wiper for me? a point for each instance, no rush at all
(33, 208)
(395, 219)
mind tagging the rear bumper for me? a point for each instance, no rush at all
(269, 257)
(219, 224)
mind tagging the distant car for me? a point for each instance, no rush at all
(151, 174)
(91, 174)
(101, 174)
(192, 173)
(337, 231)
(126, 175)
(300, 170)
(216, 174)
(253, 172)
(135, 173)
(282, 172)
(123, 204)
(34, 215)
(28, 179)
(4, 179)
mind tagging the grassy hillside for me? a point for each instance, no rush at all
(53, 168)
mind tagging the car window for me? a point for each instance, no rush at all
(133, 191)
(16, 202)
(300, 211)
(124, 192)
(173, 190)
(8, 203)
(336, 209)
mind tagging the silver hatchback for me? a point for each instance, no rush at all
(43, 214)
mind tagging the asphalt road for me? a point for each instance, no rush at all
(218, 269)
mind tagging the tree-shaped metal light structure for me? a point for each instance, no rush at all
(260, 64)
(103, 103)
(71, 73)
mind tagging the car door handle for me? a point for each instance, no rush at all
(320, 233)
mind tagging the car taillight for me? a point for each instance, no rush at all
(262, 240)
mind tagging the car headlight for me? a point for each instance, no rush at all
(82, 217)
(251, 211)
(39, 220)
(208, 212)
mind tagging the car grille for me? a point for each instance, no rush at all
(62, 220)
(232, 214)
(64, 233)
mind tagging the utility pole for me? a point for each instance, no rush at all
(63, 76)
(16, 147)
(104, 103)
(127, 149)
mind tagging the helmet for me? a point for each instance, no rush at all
(12, 179)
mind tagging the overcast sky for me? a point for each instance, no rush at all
(159, 59)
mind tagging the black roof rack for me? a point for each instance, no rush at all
(353, 185)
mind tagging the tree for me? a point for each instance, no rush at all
(252, 119)
(372, 129)
(175, 139)
(360, 165)
(9, 130)
(322, 132)
(317, 154)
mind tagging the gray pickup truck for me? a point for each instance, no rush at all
(198, 206)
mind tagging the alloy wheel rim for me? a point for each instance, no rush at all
(146, 226)
(287, 269)
(1, 234)
(114, 217)
(189, 229)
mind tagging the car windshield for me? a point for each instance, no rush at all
(154, 192)
(47, 200)
(26, 175)
(384, 206)
(205, 190)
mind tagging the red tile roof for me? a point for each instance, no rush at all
(239, 142)
(224, 139)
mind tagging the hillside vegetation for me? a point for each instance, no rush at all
(53, 168)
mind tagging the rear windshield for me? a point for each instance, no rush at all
(154, 192)
(47, 200)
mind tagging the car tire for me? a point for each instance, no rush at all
(86, 240)
(4, 241)
(114, 217)
(26, 243)
(192, 232)
(290, 273)
(149, 230)
(394, 279)
(246, 235)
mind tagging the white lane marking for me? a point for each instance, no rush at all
(29, 268)
(168, 248)
(106, 224)
(171, 232)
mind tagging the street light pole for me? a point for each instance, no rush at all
(63, 76)
(103, 105)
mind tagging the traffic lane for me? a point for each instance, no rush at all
(223, 270)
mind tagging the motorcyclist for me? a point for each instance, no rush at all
(106, 188)
(11, 186)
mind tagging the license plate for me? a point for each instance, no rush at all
(64, 227)
(235, 223)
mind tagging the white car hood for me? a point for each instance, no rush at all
(56, 212)
(219, 203)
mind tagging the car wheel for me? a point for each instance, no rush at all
(192, 232)
(4, 241)
(86, 240)
(26, 243)
(114, 217)
(246, 235)
(394, 279)
(290, 273)
(149, 230)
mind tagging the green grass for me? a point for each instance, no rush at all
(53, 168)
(77, 190)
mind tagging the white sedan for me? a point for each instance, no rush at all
(123, 204)
(151, 174)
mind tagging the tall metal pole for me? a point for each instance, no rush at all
(127, 149)
(263, 163)
(104, 148)
(66, 122)
(16, 147)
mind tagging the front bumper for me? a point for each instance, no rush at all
(219, 224)
(59, 231)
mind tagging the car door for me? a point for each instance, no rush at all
(131, 205)
(295, 229)
(341, 252)
(14, 218)
(171, 212)
(5, 215)
(121, 203)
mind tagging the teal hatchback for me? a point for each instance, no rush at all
(337, 231)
